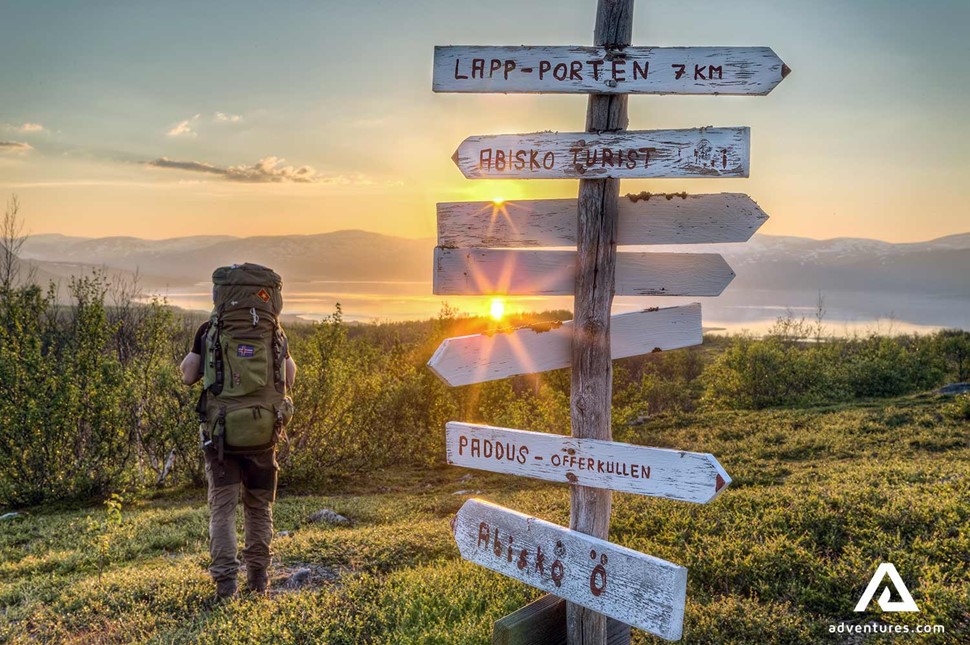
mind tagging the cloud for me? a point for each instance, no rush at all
(266, 170)
(184, 128)
(15, 146)
(189, 127)
(26, 128)
(193, 166)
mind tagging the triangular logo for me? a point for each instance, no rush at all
(906, 604)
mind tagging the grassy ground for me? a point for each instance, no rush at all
(820, 497)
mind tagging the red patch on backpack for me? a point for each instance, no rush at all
(263, 295)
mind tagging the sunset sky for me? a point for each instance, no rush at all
(164, 119)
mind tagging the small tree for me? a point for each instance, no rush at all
(954, 345)
(12, 239)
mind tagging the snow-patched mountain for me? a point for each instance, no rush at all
(839, 250)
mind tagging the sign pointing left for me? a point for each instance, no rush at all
(701, 152)
(635, 588)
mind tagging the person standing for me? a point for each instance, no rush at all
(241, 357)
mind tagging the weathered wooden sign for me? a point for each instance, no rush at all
(477, 358)
(638, 589)
(701, 152)
(643, 219)
(600, 70)
(553, 273)
(658, 472)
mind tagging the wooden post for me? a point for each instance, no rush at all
(592, 367)
(543, 622)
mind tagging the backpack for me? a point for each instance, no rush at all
(244, 405)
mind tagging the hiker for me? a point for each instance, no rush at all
(242, 358)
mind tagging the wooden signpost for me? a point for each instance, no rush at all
(657, 472)
(643, 219)
(701, 152)
(606, 70)
(469, 272)
(612, 580)
(478, 358)
(483, 249)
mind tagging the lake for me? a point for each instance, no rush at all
(846, 312)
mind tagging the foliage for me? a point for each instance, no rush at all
(103, 532)
(820, 497)
(783, 369)
(954, 345)
(91, 398)
(93, 402)
(958, 409)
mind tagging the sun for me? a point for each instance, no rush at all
(497, 308)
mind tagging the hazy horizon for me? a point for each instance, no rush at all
(432, 237)
(916, 285)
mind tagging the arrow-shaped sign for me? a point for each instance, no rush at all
(470, 272)
(548, 346)
(596, 70)
(658, 472)
(643, 219)
(702, 152)
(635, 588)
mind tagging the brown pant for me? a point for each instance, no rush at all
(257, 474)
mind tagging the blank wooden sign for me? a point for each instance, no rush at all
(477, 358)
(553, 273)
(635, 588)
(643, 219)
(701, 152)
(597, 70)
(672, 474)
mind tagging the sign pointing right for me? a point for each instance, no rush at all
(602, 70)
(644, 218)
(658, 472)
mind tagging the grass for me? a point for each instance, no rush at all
(820, 497)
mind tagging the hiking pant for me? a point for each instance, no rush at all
(257, 474)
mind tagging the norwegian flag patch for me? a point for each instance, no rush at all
(245, 351)
(263, 295)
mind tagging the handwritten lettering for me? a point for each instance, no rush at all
(498, 160)
(488, 449)
(477, 68)
(621, 469)
(597, 579)
(577, 70)
(618, 67)
(494, 540)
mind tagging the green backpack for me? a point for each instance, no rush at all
(244, 405)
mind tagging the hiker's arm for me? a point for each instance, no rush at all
(190, 368)
(290, 372)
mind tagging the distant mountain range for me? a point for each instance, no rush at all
(940, 266)
(341, 255)
(937, 267)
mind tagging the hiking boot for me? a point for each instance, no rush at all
(257, 580)
(225, 589)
